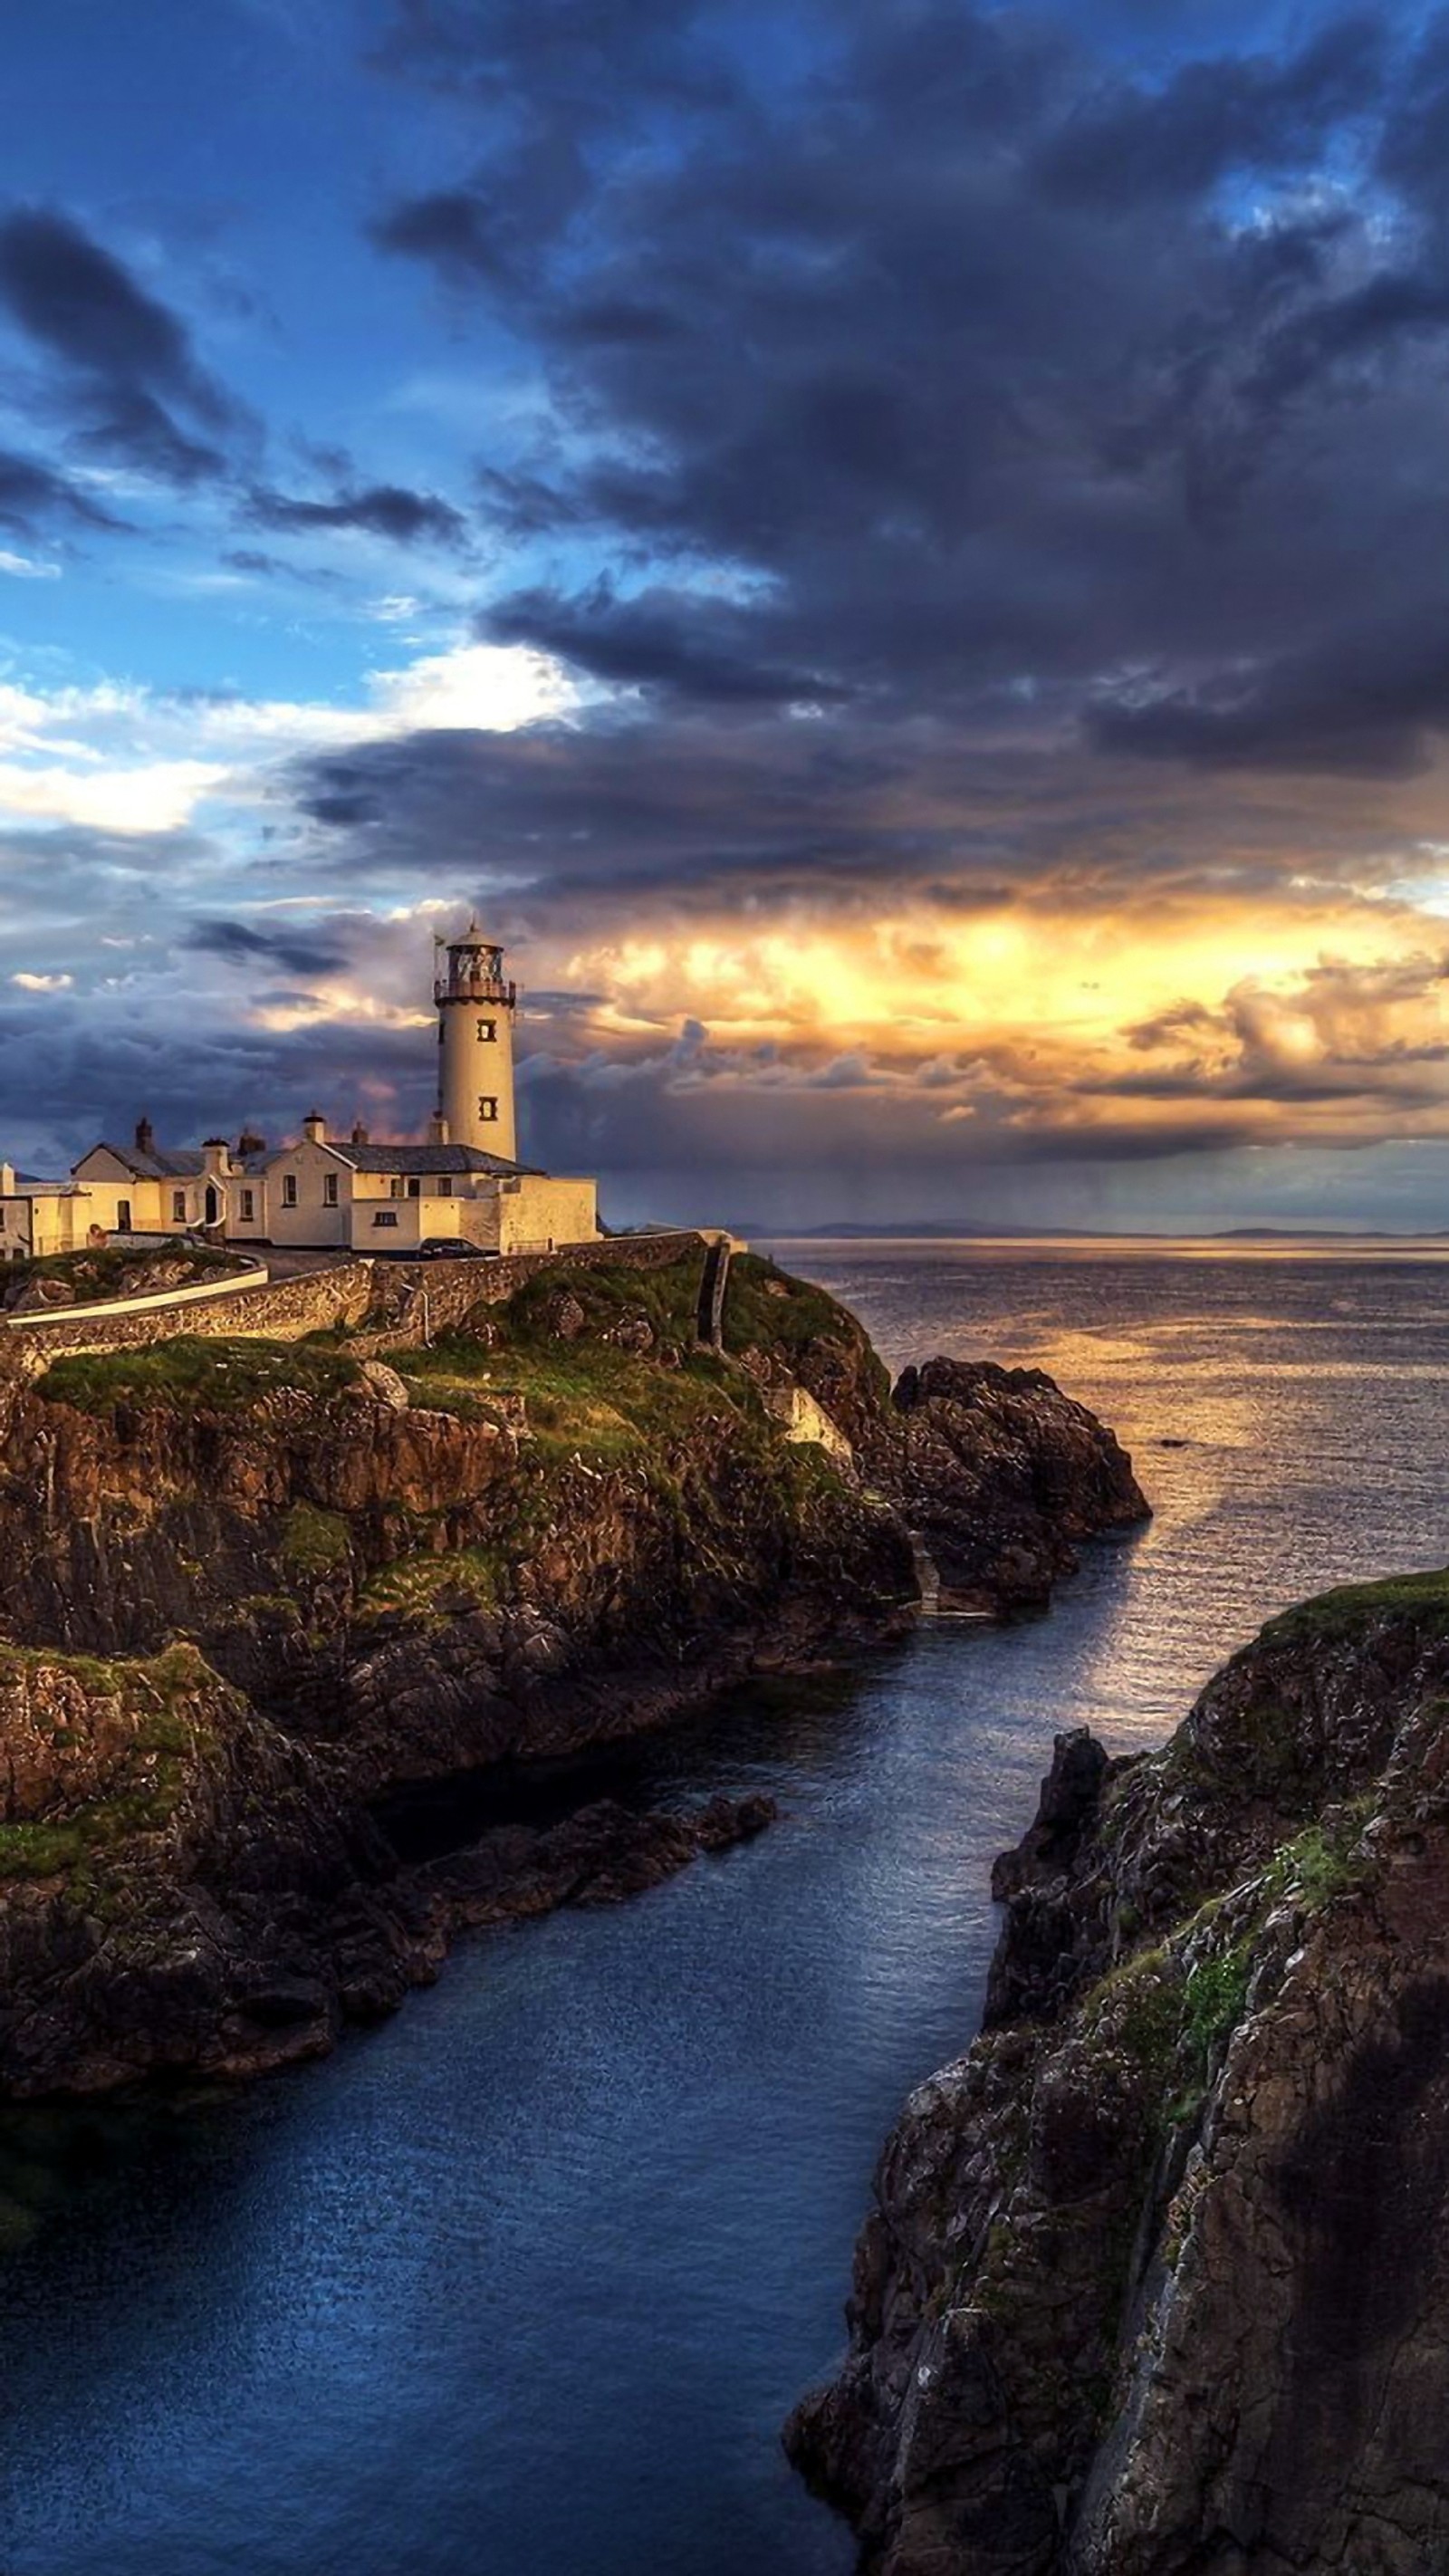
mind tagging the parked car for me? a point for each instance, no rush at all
(451, 1247)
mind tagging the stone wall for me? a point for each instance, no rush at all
(283, 1311)
(408, 1300)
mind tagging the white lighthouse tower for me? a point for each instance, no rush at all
(476, 1007)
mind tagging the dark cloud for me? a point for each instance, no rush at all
(1130, 147)
(126, 360)
(881, 343)
(380, 509)
(659, 639)
(32, 495)
(1370, 701)
(237, 944)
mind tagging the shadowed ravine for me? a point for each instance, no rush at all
(530, 2276)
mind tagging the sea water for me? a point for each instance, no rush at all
(523, 2283)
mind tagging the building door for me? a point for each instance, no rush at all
(123, 1216)
(213, 1204)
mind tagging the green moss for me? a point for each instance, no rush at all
(1353, 1605)
(583, 1397)
(195, 1372)
(766, 1308)
(1317, 1864)
(667, 1298)
(168, 1723)
(1214, 1998)
(315, 1541)
(412, 1585)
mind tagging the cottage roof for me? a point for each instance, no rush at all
(425, 1159)
(163, 1163)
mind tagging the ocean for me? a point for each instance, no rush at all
(523, 2283)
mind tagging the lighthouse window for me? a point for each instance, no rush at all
(178, 1207)
(487, 1106)
(487, 1031)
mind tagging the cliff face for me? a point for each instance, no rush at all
(556, 1525)
(1157, 2277)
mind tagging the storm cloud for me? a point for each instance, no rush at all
(918, 608)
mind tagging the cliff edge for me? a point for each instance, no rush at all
(249, 1588)
(1157, 2279)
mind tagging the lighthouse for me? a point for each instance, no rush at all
(476, 1007)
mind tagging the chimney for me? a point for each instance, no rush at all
(7, 1180)
(249, 1142)
(145, 1136)
(360, 1135)
(216, 1157)
(437, 1128)
(314, 1127)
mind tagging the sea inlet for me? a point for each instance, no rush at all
(524, 2282)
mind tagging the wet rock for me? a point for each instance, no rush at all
(1169, 2248)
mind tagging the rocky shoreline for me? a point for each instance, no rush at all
(249, 1589)
(1155, 2280)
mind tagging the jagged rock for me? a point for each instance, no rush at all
(386, 1385)
(565, 1317)
(1169, 2248)
(380, 1592)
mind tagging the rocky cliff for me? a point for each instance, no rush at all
(249, 1588)
(1156, 2283)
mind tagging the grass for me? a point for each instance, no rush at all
(411, 1585)
(90, 1276)
(1214, 1999)
(608, 1405)
(194, 1373)
(1352, 1605)
(667, 1298)
(166, 1726)
(315, 1541)
(766, 1308)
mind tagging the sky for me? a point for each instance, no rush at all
(898, 555)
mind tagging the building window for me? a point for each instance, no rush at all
(487, 1032)
(394, 1189)
(487, 1106)
(415, 1189)
(329, 1189)
(123, 1216)
(249, 1206)
(289, 1189)
(385, 1216)
(178, 1207)
(445, 1188)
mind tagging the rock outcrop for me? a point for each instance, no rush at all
(1156, 2283)
(251, 1588)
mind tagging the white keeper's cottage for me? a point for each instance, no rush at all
(465, 1184)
